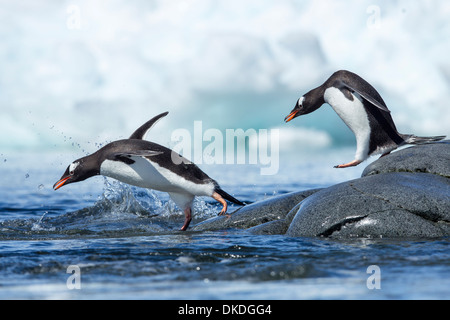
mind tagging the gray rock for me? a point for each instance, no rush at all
(276, 226)
(270, 228)
(274, 208)
(405, 194)
(381, 205)
(428, 158)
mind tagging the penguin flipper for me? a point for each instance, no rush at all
(367, 97)
(130, 157)
(142, 130)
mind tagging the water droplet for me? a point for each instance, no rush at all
(41, 187)
(27, 176)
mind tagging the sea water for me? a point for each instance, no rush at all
(100, 239)
(77, 75)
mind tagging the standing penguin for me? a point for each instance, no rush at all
(363, 110)
(149, 165)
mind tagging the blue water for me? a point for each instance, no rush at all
(126, 244)
(76, 75)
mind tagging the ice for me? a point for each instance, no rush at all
(95, 71)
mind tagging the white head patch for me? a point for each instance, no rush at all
(73, 166)
(300, 101)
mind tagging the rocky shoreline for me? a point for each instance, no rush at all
(403, 195)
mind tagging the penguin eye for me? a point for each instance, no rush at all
(72, 168)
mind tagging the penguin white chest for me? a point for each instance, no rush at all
(148, 174)
(354, 116)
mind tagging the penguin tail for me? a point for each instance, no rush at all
(412, 139)
(228, 197)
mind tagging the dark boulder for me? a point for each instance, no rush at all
(273, 208)
(382, 205)
(428, 158)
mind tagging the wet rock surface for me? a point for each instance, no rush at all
(384, 205)
(428, 158)
(271, 209)
(405, 194)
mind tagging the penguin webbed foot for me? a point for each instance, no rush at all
(224, 213)
(219, 198)
(347, 165)
(187, 219)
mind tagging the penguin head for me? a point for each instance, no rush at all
(306, 104)
(297, 111)
(78, 170)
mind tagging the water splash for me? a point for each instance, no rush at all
(120, 211)
(39, 226)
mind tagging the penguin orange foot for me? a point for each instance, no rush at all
(187, 219)
(347, 165)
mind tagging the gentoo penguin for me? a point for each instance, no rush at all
(363, 110)
(149, 165)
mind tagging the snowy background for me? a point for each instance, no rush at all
(74, 74)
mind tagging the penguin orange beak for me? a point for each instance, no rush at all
(291, 116)
(60, 183)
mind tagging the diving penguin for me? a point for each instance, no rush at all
(149, 165)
